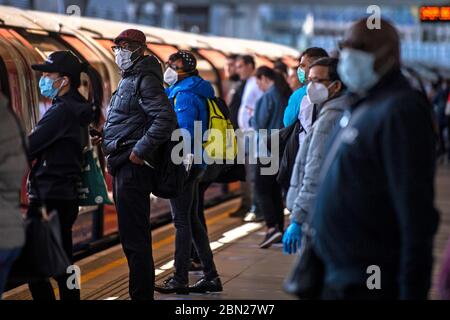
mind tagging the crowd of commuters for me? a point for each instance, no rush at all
(358, 147)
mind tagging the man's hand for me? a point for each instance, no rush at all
(135, 159)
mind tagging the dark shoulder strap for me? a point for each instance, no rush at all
(222, 105)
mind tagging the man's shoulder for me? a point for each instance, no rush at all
(403, 99)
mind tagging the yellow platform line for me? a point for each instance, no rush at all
(119, 262)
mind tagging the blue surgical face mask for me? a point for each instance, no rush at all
(356, 69)
(47, 89)
(301, 74)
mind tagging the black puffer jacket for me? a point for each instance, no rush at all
(56, 143)
(139, 119)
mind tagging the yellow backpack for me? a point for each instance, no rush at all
(221, 141)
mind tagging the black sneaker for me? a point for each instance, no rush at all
(203, 286)
(271, 237)
(172, 286)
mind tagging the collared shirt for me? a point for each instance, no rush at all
(251, 95)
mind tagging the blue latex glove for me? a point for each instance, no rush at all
(291, 238)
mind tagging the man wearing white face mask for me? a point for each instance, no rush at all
(374, 216)
(325, 90)
(139, 121)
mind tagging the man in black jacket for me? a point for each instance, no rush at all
(55, 147)
(375, 220)
(139, 120)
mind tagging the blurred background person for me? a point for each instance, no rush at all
(12, 169)
(268, 115)
(439, 102)
(281, 67)
(293, 80)
(245, 67)
(232, 80)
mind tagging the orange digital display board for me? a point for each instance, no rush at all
(435, 13)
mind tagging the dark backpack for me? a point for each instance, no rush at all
(169, 177)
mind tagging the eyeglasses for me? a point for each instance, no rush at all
(129, 47)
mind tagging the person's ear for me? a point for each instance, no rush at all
(65, 81)
(338, 86)
(334, 88)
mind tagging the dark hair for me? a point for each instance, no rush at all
(280, 82)
(314, 52)
(248, 59)
(279, 65)
(332, 65)
(232, 56)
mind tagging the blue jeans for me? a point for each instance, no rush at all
(7, 258)
(189, 229)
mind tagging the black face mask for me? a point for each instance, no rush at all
(234, 77)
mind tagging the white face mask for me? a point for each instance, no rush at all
(123, 58)
(170, 76)
(317, 92)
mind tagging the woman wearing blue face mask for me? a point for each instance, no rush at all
(55, 148)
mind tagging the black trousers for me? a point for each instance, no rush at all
(190, 230)
(132, 188)
(203, 186)
(211, 174)
(42, 290)
(268, 197)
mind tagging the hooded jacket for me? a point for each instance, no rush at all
(12, 168)
(56, 145)
(139, 116)
(188, 98)
(308, 162)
